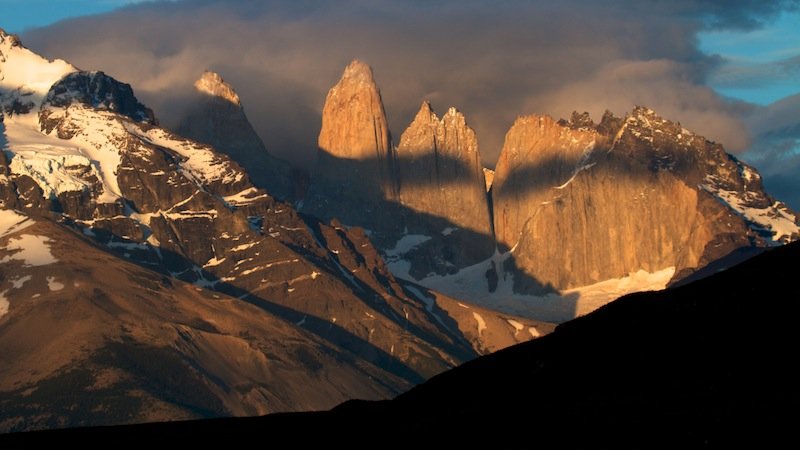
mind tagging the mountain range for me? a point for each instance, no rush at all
(148, 274)
(209, 297)
(577, 212)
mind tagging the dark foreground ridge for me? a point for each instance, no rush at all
(709, 362)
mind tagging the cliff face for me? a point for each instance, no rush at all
(217, 118)
(580, 202)
(440, 170)
(442, 190)
(538, 154)
(354, 173)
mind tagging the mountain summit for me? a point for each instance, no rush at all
(216, 117)
(354, 173)
(212, 84)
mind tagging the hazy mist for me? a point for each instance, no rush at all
(492, 60)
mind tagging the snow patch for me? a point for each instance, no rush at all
(12, 222)
(4, 304)
(774, 219)
(517, 326)
(26, 72)
(245, 197)
(32, 250)
(470, 284)
(54, 162)
(17, 283)
(201, 163)
(481, 322)
(54, 285)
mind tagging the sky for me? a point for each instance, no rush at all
(19, 15)
(729, 70)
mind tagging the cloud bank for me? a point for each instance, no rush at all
(492, 60)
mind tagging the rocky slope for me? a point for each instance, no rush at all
(82, 154)
(706, 364)
(91, 339)
(217, 118)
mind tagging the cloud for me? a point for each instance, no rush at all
(776, 147)
(493, 60)
(736, 74)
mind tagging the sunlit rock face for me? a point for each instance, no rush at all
(580, 202)
(354, 174)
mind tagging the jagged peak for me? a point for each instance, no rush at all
(427, 116)
(357, 72)
(425, 108)
(12, 39)
(639, 110)
(453, 112)
(26, 76)
(211, 83)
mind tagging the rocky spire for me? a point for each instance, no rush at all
(354, 123)
(440, 170)
(355, 172)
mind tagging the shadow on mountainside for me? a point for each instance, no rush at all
(173, 264)
(696, 364)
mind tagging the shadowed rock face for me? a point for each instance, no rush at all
(440, 176)
(440, 170)
(581, 203)
(218, 119)
(537, 152)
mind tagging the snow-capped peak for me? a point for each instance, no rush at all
(212, 84)
(25, 77)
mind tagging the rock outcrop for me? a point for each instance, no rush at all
(430, 189)
(442, 190)
(580, 203)
(440, 171)
(354, 175)
(217, 118)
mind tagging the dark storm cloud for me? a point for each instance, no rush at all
(493, 60)
(776, 147)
